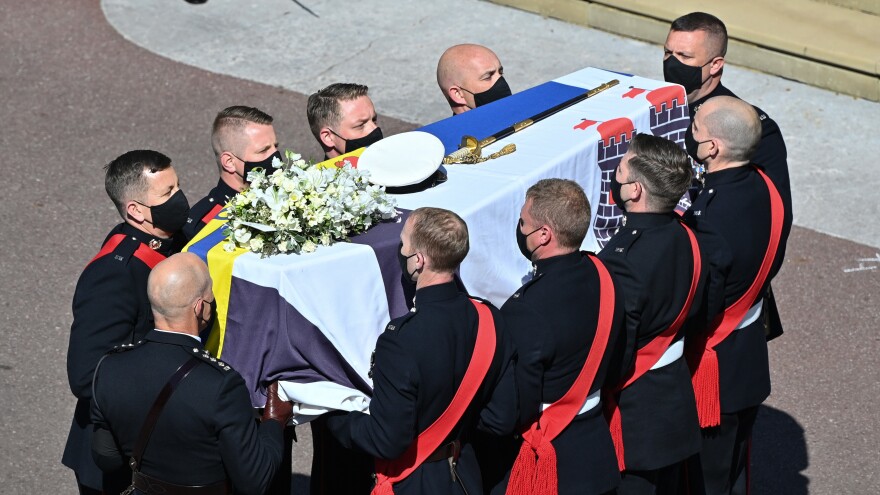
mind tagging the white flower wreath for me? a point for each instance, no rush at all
(301, 206)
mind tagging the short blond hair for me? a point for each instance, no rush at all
(227, 132)
(561, 204)
(441, 235)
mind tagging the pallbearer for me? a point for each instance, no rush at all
(566, 325)
(663, 280)
(470, 76)
(729, 363)
(243, 139)
(439, 372)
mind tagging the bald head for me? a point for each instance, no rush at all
(464, 70)
(733, 122)
(174, 286)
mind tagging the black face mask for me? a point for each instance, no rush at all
(211, 317)
(615, 191)
(361, 142)
(171, 215)
(265, 164)
(402, 260)
(521, 242)
(676, 72)
(498, 90)
(692, 145)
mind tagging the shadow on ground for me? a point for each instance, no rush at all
(779, 454)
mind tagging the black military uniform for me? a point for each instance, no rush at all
(420, 361)
(553, 319)
(771, 154)
(206, 433)
(207, 208)
(110, 308)
(652, 261)
(735, 205)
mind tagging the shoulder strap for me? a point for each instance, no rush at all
(108, 246)
(558, 415)
(211, 214)
(159, 404)
(392, 471)
(148, 256)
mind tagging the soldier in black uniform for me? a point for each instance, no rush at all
(342, 118)
(737, 204)
(652, 259)
(110, 305)
(243, 139)
(420, 361)
(553, 322)
(694, 57)
(470, 76)
(205, 437)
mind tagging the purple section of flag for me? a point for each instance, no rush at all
(267, 339)
(384, 238)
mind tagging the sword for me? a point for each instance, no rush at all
(473, 147)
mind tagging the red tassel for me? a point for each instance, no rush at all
(383, 487)
(534, 471)
(612, 415)
(546, 476)
(522, 474)
(704, 376)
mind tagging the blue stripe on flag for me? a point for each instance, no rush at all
(202, 247)
(484, 121)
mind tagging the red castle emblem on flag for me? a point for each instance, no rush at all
(657, 97)
(620, 129)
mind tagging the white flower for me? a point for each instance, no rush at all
(318, 206)
(242, 235)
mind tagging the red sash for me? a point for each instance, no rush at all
(144, 253)
(702, 359)
(650, 354)
(534, 472)
(389, 472)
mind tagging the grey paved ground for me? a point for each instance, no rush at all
(76, 94)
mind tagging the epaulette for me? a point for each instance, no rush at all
(525, 286)
(119, 247)
(397, 323)
(116, 349)
(124, 347)
(212, 212)
(206, 356)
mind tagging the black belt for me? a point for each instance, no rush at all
(150, 485)
(449, 451)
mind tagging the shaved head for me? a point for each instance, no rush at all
(733, 122)
(473, 68)
(175, 284)
(458, 61)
